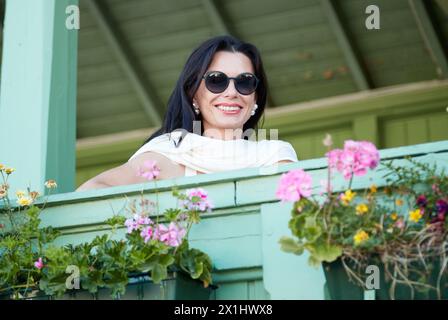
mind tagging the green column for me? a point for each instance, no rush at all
(38, 94)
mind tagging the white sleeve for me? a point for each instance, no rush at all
(287, 152)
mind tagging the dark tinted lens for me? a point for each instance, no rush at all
(246, 83)
(216, 82)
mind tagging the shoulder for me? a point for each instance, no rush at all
(283, 149)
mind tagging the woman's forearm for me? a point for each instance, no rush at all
(91, 184)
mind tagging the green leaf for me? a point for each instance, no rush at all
(172, 214)
(312, 231)
(325, 252)
(159, 273)
(290, 245)
(313, 262)
(297, 224)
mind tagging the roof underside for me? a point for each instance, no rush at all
(131, 52)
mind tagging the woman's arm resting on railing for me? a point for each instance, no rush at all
(127, 173)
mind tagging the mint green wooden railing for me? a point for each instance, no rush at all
(241, 234)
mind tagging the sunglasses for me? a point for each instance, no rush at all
(217, 82)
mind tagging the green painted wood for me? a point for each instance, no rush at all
(242, 9)
(128, 61)
(430, 36)
(107, 124)
(285, 275)
(39, 92)
(316, 90)
(163, 34)
(360, 76)
(241, 234)
(408, 130)
(280, 21)
(156, 25)
(397, 41)
(100, 72)
(366, 128)
(109, 87)
(215, 17)
(407, 102)
(145, 9)
(97, 108)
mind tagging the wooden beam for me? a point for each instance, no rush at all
(443, 4)
(346, 46)
(128, 61)
(38, 94)
(216, 17)
(429, 35)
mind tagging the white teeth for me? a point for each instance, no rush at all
(228, 108)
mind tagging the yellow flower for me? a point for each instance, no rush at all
(361, 209)
(415, 215)
(9, 170)
(51, 184)
(399, 202)
(347, 197)
(2, 167)
(394, 216)
(24, 201)
(20, 193)
(360, 237)
(373, 188)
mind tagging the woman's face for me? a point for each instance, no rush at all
(214, 116)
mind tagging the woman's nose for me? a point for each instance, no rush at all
(231, 90)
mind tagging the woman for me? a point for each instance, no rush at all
(215, 107)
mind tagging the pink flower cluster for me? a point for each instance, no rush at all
(355, 158)
(151, 170)
(171, 235)
(294, 185)
(136, 222)
(197, 200)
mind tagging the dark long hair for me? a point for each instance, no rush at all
(180, 114)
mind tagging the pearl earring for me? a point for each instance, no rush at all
(196, 109)
(254, 109)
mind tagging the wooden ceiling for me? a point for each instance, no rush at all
(131, 52)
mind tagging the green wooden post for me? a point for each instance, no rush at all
(38, 94)
(366, 128)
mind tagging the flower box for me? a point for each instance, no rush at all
(156, 244)
(178, 286)
(392, 238)
(342, 287)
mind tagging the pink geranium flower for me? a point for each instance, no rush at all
(171, 235)
(39, 264)
(136, 222)
(197, 200)
(151, 170)
(147, 233)
(354, 159)
(294, 185)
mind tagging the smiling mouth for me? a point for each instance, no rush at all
(232, 109)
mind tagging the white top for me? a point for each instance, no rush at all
(208, 155)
